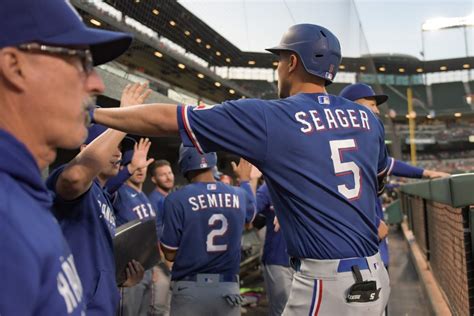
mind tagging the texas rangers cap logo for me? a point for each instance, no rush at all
(203, 163)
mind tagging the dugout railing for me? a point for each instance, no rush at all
(440, 213)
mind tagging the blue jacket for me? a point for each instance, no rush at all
(37, 270)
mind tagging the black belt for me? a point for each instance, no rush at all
(222, 278)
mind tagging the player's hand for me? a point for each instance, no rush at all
(383, 230)
(135, 93)
(135, 272)
(242, 170)
(434, 174)
(255, 174)
(139, 158)
(276, 225)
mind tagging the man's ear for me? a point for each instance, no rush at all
(12, 63)
(153, 179)
(292, 63)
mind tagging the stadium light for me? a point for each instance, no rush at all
(382, 69)
(401, 70)
(443, 68)
(172, 23)
(251, 62)
(201, 76)
(181, 66)
(231, 91)
(466, 66)
(155, 11)
(208, 46)
(217, 84)
(362, 68)
(158, 54)
(198, 40)
(227, 59)
(275, 63)
(95, 22)
(448, 23)
(342, 67)
(419, 69)
(187, 33)
(457, 114)
(218, 53)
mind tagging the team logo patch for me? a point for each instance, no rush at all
(329, 76)
(203, 163)
(212, 187)
(203, 107)
(323, 99)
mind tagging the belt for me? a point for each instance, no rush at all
(344, 265)
(222, 278)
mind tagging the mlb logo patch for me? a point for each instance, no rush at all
(212, 186)
(203, 163)
(323, 99)
(329, 76)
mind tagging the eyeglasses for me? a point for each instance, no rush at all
(84, 55)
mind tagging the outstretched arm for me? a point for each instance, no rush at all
(147, 120)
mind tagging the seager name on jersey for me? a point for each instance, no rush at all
(318, 121)
(217, 200)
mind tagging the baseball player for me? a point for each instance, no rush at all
(203, 224)
(163, 178)
(322, 156)
(46, 79)
(85, 212)
(363, 94)
(277, 273)
(130, 204)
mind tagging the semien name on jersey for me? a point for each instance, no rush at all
(318, 121)
(217, 200)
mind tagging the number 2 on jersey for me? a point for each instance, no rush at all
(344, 168)
(213, 220)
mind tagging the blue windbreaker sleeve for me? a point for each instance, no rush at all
(401, 169)
(113, 184)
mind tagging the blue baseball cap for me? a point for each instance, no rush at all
(361, 90)
(57, 23)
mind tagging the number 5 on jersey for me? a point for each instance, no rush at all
(344, 168)
(213, 221)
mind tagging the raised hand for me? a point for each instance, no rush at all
(134, 93)
(139, 158)
(242, 170)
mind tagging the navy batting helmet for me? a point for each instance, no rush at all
(318, 49)
(190, 159)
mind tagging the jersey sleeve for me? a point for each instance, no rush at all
(239, 127)
(263, 198)
(383, 160)
(173, 221)
(62, 208)
(250, 209)
(401, 169)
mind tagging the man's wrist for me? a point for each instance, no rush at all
(131, 169)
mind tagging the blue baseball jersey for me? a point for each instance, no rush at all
(157, 200)
(321, 156)
(130, 204)
(203, 222)
(88, 224)
(274, 249)
(38, 272)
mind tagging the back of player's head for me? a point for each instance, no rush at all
(357, 91)
(191, 160)
(318, 49)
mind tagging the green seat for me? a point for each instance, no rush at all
(393, 213)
